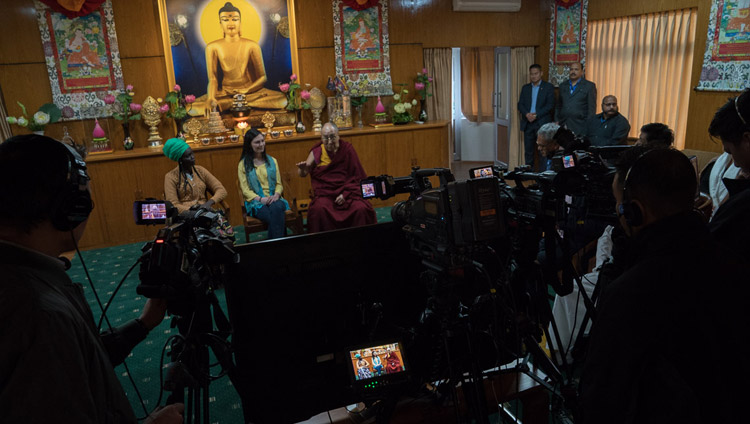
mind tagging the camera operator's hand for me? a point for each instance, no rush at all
(208, 204)
(170, 414)
(153, 313)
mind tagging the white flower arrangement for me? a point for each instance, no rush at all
(46, 114)
(402, 106)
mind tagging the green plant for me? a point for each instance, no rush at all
(422, 84)
(122, 105)
(48, 113)
(358, 93)
(296, 98)
(401, 108)
(179, 103)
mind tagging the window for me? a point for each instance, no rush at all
(646, 62)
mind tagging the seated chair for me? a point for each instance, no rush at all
(292, 219)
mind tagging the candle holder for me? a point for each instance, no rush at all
(194, 127)
(268, 120)
(152, 118)
(317, 103)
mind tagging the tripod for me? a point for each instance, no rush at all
(445, 312)
(190, 368)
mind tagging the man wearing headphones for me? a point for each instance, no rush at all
(54, 366)
(730, 224)
(657, 325)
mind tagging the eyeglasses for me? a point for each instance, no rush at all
(330, 137)
(737, 108)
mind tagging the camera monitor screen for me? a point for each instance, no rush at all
(370, 363)
(368, 190)
(569, 161)
(485, 171)
(150, 212)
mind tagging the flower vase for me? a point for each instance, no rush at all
(180, 122)
(127, 142)
(359, 116)
(300, 127)
(423, 110)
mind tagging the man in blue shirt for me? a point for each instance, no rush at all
(576, 101)
(535, 104)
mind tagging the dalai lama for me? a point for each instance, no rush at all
(335, 173)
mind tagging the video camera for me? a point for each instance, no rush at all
(580, 181)
(185, 260)
(456, 215)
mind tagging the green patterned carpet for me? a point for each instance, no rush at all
(107, 267)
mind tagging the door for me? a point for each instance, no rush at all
(502, 104)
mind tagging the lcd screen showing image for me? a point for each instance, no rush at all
(481, 172)
(377, 361)
(151, 211)
(569, 161)
(368, 190)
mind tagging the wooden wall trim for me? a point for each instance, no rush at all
(119, 178)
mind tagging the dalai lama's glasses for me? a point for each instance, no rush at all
(330, 137)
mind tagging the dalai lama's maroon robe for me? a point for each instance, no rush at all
(341, 176)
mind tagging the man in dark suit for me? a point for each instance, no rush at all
(576, 101)
(608, 128)
(535, 104)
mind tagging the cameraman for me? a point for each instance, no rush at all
(660, 346)
(54, 366)
(730, 224)
(547, 145)
(568, 311)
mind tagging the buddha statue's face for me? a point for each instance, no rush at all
(230, 23)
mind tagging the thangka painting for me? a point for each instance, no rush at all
(83, 60)
(362, 46)
(726, 61)
(567, 37)
(216, 49)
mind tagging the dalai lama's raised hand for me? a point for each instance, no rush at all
(339, 199)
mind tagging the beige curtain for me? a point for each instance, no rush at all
(439, 64)
(520, 60)
(646, 62)
(477, 83)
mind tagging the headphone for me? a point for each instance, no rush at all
(74, 204)
(628, 209)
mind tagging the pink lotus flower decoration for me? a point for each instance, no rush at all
(424, 71)
(189, 98)
(135, 107)
(177, 87)
(305, 95)
(284, 88)
(109, 99)
(129, 87)
(164, 108)
(293, 77)
(419, 86)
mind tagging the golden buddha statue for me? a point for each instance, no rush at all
(239, 61)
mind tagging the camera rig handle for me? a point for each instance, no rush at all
(420, 175)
